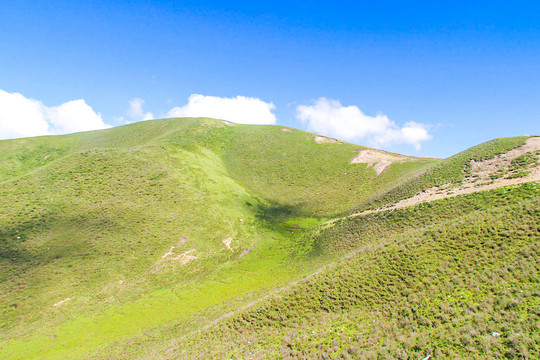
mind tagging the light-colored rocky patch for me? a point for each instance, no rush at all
(182, 241)
(168, 253)
(228, 123)
(286, 130)
(322, 139)
(482, 171)
(171, 259)
(227, 242)
(183, 258)
(61, 302)
(380, 160)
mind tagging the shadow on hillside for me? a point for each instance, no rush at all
(14, 253)
(273, 213)
(11, 251)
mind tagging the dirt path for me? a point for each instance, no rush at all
(480, 179)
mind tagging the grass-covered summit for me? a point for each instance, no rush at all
(113, 243)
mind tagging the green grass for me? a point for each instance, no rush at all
(88, 217)
(442, 289)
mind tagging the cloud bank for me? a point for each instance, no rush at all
(328, 117)
(241, 109)
(23, 117)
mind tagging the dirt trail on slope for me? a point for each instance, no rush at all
(485, 175)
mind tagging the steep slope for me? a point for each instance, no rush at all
(517, 166)
(452, 172)
(285, 167)
(160, 221)
(454, 278)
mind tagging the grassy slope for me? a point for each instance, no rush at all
(287, 168)
(88, 217)
(455, 278)
(452, 170)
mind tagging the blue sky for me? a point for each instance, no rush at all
(425, 78)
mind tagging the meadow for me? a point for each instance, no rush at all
(179, 238)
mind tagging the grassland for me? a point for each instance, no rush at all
(460, 284)
(86, 220)
(117, 243)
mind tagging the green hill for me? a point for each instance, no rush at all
(120, 242)
(460, 284)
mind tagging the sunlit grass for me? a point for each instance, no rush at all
(116, 242)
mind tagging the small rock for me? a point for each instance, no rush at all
(495, 334)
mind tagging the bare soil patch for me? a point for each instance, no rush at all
(322, 139)
(171, 259)
(245, 252)
(227, 242)
(184, 258)
(380, 160)
(61, 302)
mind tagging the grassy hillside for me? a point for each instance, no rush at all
(114, 243)
(159, 221)
(286, 168)
(452, 170)
(457, 278)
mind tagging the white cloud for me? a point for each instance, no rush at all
(241, 109)
(135, 111)
(328, 117)
(23, 117)
(73, 116)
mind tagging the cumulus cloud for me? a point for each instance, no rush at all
(328, 117)
(135, 110)
(241, 109)
(73, 116)
(23, 117)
